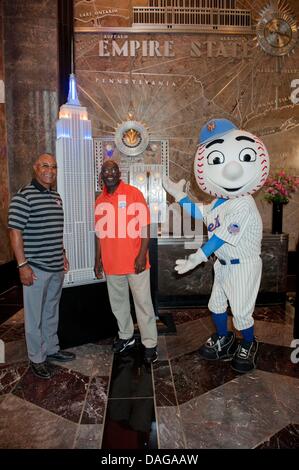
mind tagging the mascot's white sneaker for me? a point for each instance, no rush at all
(219, 347)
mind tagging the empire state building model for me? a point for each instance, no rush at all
(75, 183)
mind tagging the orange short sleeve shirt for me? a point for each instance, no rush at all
(119, 219)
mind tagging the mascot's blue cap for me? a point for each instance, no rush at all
(214, 129)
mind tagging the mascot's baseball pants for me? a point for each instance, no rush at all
(239, 284)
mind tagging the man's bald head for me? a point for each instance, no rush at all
(45, 157)
(45, 168)
(110, 164)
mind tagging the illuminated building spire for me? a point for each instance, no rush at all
(73, 95)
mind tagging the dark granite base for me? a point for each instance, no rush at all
(174, 301)
(9, 276)
(193, 301)
(194, 287)
(11, 300)
(85, 315)
(286, 438)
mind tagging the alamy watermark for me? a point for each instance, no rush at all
(129, 220)
(295, 353)
(295, 93)
(2, 351)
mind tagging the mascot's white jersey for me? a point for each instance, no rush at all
(239, 224)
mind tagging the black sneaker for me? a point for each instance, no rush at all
(245, 356)
(41, 370)
(150, 355)
(121, 345)
(219, 347)
(61, 356)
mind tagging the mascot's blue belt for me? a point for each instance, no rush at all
(232, 261)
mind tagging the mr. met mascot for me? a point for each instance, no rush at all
(230, 164)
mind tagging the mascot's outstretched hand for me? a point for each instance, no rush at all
(174, 189)
(184, 265)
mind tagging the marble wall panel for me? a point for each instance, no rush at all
(30, 9)
(1, 37)
(5, 252)
(26, 146)
(31, 51)
(31, 83)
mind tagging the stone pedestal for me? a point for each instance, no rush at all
(194, 288)
(85, 315)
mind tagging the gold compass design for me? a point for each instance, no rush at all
(131, 138)
(276, 30)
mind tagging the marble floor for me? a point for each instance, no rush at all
(100, 401)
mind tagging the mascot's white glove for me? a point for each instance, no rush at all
(174, 189)
(184, 265)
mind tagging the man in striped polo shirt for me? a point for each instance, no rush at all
(36, 232)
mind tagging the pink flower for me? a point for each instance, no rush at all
(280, 186)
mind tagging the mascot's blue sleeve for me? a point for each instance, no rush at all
(212, 245)
(191, 208)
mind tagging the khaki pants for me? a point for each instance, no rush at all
(118, 290)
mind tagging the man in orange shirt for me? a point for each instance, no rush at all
(122, 227)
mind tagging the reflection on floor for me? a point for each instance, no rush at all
(130, 418)
(182, 402)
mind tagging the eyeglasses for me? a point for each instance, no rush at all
(106, 171)
(45, 166)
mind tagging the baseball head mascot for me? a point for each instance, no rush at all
(230, 165)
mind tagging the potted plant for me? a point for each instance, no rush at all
(278, 190)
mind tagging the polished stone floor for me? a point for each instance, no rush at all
(100, 401)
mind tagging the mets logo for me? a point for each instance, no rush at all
(212, 227)
(233, 229)
(211, 126)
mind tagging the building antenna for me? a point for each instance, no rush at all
(72, 55)
(73, 95)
